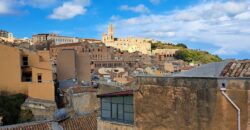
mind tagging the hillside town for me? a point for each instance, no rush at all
(72, 83)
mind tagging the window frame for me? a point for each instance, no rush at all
(25, 60)
(117, 117)
(39, 80)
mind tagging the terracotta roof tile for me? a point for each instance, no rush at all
(87, 122)
(29, 126)
(237, 69)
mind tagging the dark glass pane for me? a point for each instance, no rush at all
(128, 108)
(129, 117)
(128, 100)
(107, 99)
(114, 111)
(106, 114)
(117, 99)
(120, 111)
(106, 106)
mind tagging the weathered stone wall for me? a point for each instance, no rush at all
(106, 125)
(84, 103)
(41, 109)
(190, 103)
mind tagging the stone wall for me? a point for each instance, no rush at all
(181, 103)
(84, 103)
(106, 125)
(41, 109)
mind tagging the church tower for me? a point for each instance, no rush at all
(111, 32)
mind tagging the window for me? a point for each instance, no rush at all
(25, 61)
(39, 78)
(118, 109)
(26, 76)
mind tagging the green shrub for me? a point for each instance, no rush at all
(10, 107)
(196, 56)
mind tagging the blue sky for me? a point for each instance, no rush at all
(219, 26)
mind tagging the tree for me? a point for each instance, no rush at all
(196, 56)
(10, 107)
(182, 45)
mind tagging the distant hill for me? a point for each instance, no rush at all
(186, 54)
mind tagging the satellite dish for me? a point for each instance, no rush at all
(61, 114)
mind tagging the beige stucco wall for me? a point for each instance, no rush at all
(10, 70)
(44, 91)
(10, 76)
(66, 65)
(83, 67)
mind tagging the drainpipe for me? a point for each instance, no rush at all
(235, 106)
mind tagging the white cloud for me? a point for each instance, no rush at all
(7, 7)
(11, 6)
(70, 9)
(138, 9)
(155, 2)
(243, 16)
(224, 25)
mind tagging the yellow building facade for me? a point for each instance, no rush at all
(129, 44)
(27, 72)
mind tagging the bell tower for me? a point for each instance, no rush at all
(111, 32)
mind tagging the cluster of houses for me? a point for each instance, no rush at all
(74, 83)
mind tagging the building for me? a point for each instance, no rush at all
(99, 55)
(6, 36)
(41, 38)
(30, 73)
(90, 40)
(26, 72)
(72, 66)
(126, 44)
(80, 100)
(176, 103)
(94, 51)
(99, 52)
(164, 54)
(96, 64)
(119, 75)
(186, 101)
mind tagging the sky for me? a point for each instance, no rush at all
(221, 27)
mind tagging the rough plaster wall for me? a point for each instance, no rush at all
(83, 68)
(66, 65)
(189, 104)
(10, 76)
(85, 102)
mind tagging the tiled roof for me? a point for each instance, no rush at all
(114, 94)
(29, 126)
(208, 70)
(237, 69)
(81, 123)
(87, 122)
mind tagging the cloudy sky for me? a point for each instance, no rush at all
(219, 26)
